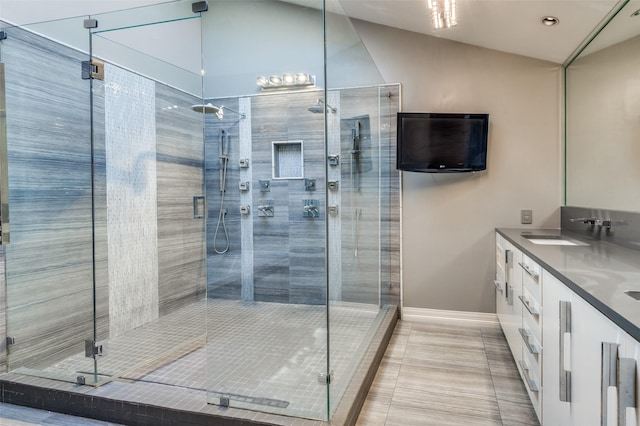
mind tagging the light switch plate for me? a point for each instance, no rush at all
(526, 217)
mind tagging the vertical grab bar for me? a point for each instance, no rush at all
(565, 351)
(356, 231)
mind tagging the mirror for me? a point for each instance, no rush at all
(603, 116)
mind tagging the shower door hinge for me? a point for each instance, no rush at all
(93, 349)
(93, 69)
(3, 35)
(325, 379)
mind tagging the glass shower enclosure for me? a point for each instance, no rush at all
(204, 207)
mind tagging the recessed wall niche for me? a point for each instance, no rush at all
(287, 160)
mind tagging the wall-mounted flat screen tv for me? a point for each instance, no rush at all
(442, 142)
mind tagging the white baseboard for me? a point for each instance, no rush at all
(417, 314)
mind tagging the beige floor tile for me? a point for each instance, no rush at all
(440, 372)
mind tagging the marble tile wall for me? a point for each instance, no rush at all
(3, 315)
(154, 268)
(286, 260)
(49, 260)
(132, 198)
(180, 177)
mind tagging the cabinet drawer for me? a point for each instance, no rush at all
(532, 383)
(531, 277)
(531, 314)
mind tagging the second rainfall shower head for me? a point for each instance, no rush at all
(209, 108)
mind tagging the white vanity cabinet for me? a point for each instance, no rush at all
(579, 367)
(582, 348)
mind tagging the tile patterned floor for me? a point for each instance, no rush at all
(262, 356)
(434, 372)
(443, 372)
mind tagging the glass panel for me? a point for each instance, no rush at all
(267, 333)
(49, 265)
(364, 234)
(150, 252)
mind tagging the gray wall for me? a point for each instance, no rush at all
(449, 221)
(286, 252)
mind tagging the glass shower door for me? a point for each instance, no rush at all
(49, 263)
(266, 187)
(149, 197)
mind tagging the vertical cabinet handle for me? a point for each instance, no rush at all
(565, 351)
(626, 387)
(619, 373)
(609, 378)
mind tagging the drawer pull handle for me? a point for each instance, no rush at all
(498, 286)
(531, 384)
(529, 271)
(533, 311)
(532, 347)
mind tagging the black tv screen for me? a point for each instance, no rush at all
(442, 142)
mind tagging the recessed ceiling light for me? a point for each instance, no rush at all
(550, 20)
(636, 13)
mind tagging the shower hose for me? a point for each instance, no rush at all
(223, 185)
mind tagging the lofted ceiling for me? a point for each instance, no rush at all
(511, 26)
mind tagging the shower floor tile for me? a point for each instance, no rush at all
(261, 356)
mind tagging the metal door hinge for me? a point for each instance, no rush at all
(3, 35)
(93, 349)
(93, 69)
(11, 340)
(325, 379)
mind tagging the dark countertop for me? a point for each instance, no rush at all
(600, 272)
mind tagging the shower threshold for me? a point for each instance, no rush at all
(179, 385)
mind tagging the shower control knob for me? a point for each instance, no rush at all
(244, 163)
(245, 210)
(244, 186)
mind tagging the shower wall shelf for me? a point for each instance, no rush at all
(287, 161)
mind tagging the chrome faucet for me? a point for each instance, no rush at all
(598, 221)
(266, 210)
(589, 220)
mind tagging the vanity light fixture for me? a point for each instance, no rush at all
(550, 21)
(443, 13)
(286, 81)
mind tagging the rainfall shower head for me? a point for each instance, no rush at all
(209, 108)
(318, 108)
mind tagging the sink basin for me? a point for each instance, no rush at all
(553, 240)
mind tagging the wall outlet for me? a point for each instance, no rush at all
(526, 217)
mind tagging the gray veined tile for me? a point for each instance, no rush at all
(444, 357)
(410, 416)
